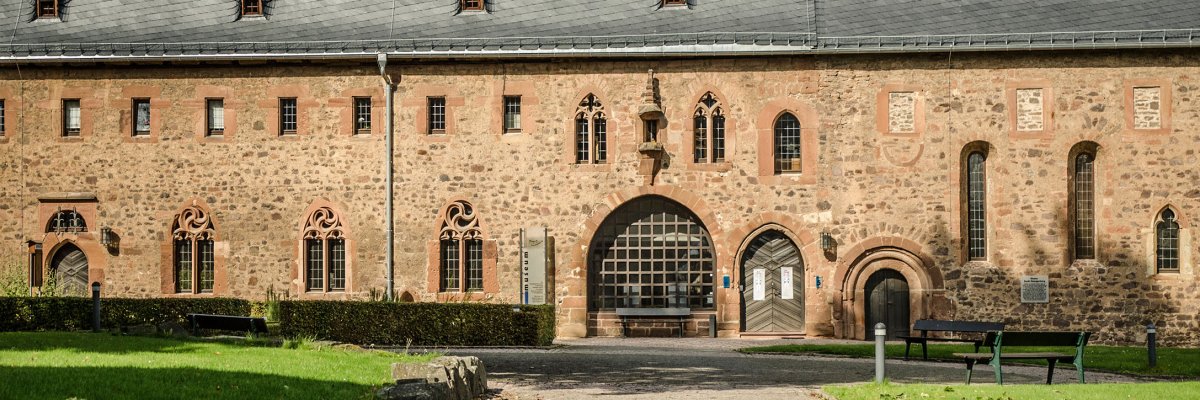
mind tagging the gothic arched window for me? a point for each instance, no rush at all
(1166, 234)
(460, 250)
(66, 221)
(709, 132)
(591, 132)
(194, 251)
(787, 143)
(324, 252)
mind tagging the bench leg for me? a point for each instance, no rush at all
(925, 350)
(1050, 371)
(970, 368)
(907, 344)
(681, 325)
(624, 328)
(999, 374)
(1079, 367)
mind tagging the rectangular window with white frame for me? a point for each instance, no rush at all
(362, 115)
(287, 116)
(215, 117)
(71, 114)
(512, 114)
(437, 115)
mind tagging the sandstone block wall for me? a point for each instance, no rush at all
(870, 190)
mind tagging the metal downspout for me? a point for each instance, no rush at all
(389, 89)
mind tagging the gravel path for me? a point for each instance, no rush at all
(654, 368)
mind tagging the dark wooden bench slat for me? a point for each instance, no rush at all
(932, 325)
(227, 323)
(680, 313)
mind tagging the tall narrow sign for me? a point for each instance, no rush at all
(785, 283)
(760, 286)
(533, 266)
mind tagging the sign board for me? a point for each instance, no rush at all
(785, 283)
(1035, 289)
(760, 286)
(533, 266)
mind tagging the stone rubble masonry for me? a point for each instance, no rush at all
(902, 112)
(1146, 106)
(1029, 110)
(888, 201)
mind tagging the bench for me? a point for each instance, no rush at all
(930, 325)
(679, 313)
(999, 340)
(227, 323)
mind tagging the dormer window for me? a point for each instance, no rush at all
(252, 8)
(674, 3)
(472, 5)
(47, 8)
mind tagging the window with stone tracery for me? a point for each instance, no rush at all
(66, 221)
(324, 252)
(591, 132)
(194, 250)
(709, 132)
(460, 250)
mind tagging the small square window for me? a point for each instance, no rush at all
(252, 7)
(472, 5)
(71, 117)
(437, 115)
(362, 115)
(47, 8)
(287, 116)
(141, 117)
(512, 113)
(674, 3)
(215, 111)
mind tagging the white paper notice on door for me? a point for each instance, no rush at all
(785, 281)
(760, 286)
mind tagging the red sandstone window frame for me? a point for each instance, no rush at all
(788, 144)
(362, 115)
(975, 201)
(325, 252)
(47, 8)
(436, 113)
(512, 114)
(472, 5)
(460, 250)
(210, 113)
(289, 116)
(251, 8)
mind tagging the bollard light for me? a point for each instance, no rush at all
(880, 330)
(880, 336)
(95, 306)
(1152, 344)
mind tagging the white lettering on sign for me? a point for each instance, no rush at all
(1035, 289)
(785, 283)
(760, 286)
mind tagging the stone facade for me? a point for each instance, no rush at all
(886, 201)
(1146, 105)
(1030, 110)
(902, 112)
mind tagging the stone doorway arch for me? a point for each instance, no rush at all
(926, 292)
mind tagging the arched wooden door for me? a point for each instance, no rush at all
(772, 285)
(70, 269)
(887, 302)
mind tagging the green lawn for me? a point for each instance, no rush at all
(1107, 391)
(59, 365)
(1132, 360)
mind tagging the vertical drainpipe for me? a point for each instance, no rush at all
(389, 89)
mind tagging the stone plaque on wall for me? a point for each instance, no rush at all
(1035, 289)
(533, 266)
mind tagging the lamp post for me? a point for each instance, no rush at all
(880, 335)
(96, 307)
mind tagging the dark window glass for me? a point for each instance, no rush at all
(337, 264)
(183, 266)
(315, 260)
(362, 115)
(65, 221)
(472, 5)
(787, 144)
(141, 117)
(450, 266)
(976, 203)
(287, 116)
(1167, 249)
(512, 113)
(1084, 207)
(474, 265)
(437, 115)
(207, 265)
(718, 137)
(47, 8)
(700, 133)
(2, 121)
(252, 7)
(583, 148)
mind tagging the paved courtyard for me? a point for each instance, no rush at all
(654, 368)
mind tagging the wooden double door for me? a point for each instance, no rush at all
(70, 269)
(887, 302)
(772, 285)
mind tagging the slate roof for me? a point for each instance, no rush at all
(134, 29)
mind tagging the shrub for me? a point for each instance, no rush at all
(72, 313)
(424, 324)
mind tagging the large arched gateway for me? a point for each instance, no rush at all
(651, 253)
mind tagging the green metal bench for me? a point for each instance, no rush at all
(1001, 339)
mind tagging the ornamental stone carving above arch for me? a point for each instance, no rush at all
(193, 222)
(460, 222)
(324, 223)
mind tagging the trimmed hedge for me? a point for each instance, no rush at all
(72, 313)
(425, 324)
